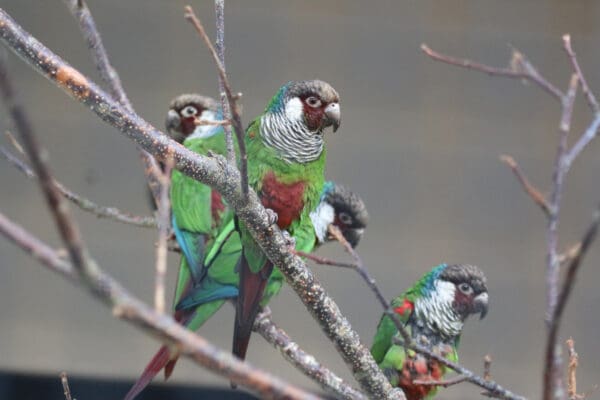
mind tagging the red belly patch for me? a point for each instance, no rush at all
(286, 199)
(216, 206)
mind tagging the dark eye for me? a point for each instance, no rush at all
(345, 218)
(189, 111)
(313, 102)
(465, 288)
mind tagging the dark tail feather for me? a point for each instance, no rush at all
(170, 367)
(252, 287)
(160, 360)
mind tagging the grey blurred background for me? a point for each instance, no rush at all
(420, 142)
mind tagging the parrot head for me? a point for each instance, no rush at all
(296, 117)
(183, 113)
(344, 209)
(448, 295)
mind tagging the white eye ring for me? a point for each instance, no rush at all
(313, 102)
(345, 218)
(465, 288)
(189, 111)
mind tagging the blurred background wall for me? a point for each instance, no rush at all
(420, 142)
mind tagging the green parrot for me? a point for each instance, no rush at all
(218, 280)
(433, 311)
(286, 166)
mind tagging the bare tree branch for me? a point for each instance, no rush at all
(589, 95)
(224, 84)
(215, 172)
(519, 68)
(555, 299)
(553, 380)
(82, 202)
(533, 192)
(164, 226)
(109, 75)
(302, 360)
(220, 47)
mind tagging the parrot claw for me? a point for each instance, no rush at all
(290, 241)
(272, 216)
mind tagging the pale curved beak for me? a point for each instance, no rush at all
(480, 303)
(333, 116)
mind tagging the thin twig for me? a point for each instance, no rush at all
(131, 309)
(65, 384)
(110, 77)
(362, 271)
(589, 95)
(531, 190)
(324, 260)
(445, 383)
(14, 142)
(82, 202)
(164, 214)
(590, 134)
(302, 360)
(519, 68)
(572, 370)
(236, 120)
(220, 47)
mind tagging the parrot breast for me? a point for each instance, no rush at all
(216, 206)
(286, 199)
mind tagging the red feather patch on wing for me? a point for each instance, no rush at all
(406, 306)
(287, 200)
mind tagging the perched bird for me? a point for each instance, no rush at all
(433, 311)
(218, 278)
(286, 163)
(184, 111)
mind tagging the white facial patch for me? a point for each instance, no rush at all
(205, 131)
(436, 310)
(321, 217)
(294, 109)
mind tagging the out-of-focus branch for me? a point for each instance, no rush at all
(533, 192)
(162, 326)
(225, 86)
(220, 47)
(519, 68)
(302, 360)
(217, 173)
(65, 384)
(110, 77)
(82, 202)
(164, 226)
